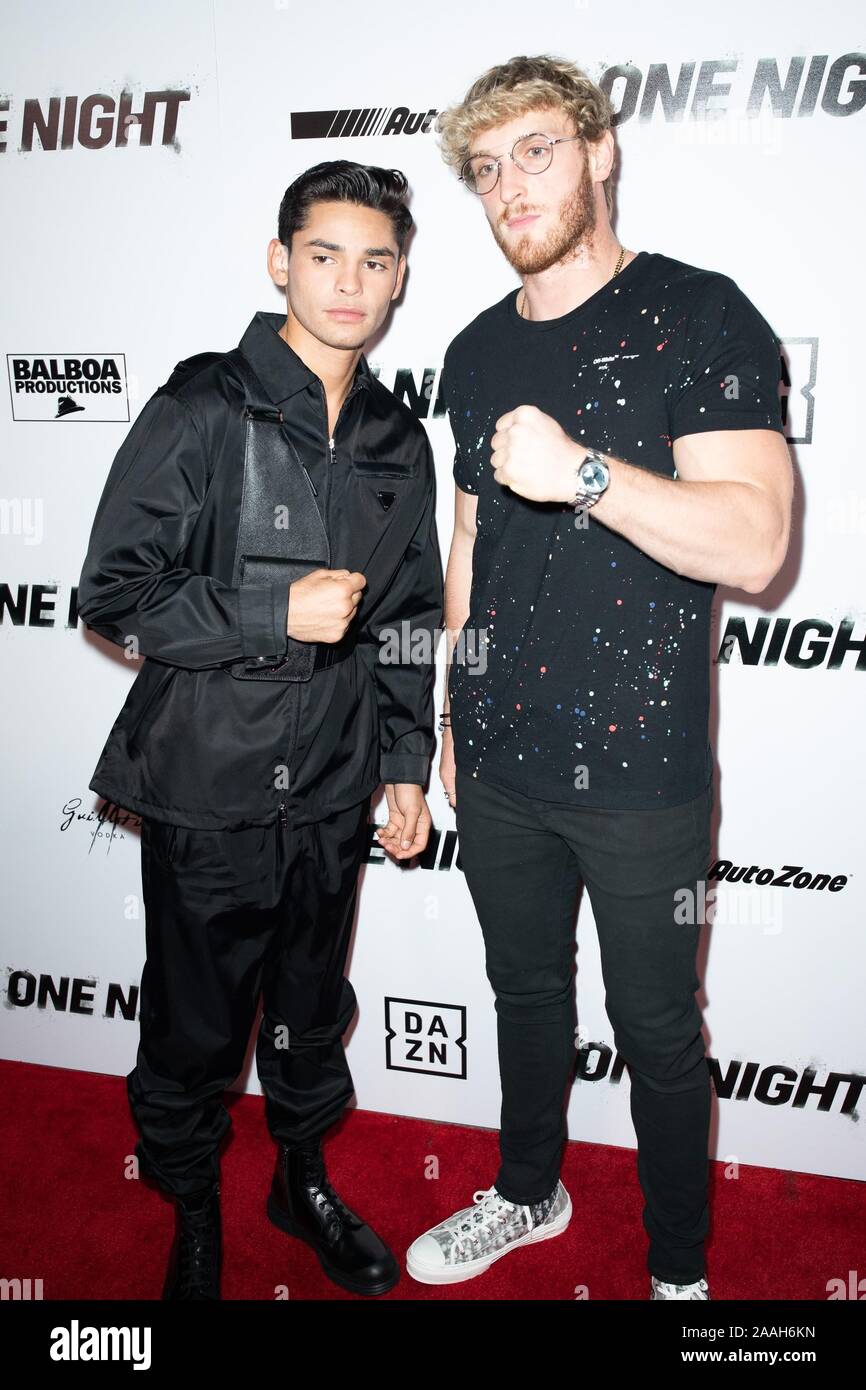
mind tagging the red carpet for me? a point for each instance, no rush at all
(73, 1220)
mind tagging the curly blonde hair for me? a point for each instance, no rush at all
(525, 84)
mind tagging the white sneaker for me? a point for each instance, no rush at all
(471, 1240)
(659, 1289)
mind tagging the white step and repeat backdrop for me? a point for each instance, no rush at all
(131, 243)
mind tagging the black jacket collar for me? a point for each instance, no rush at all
(279, 368)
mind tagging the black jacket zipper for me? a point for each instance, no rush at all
(282, 811)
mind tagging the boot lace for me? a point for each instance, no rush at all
(197, 1250)
(326, 1197)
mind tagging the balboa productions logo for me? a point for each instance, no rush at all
(425, 1037)
(68, 386)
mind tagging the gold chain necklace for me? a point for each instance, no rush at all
(617, 269)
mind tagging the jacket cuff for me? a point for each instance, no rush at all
(281, 617)
(404, 767)
(258, 618)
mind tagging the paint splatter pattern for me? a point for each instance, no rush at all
(597, 657)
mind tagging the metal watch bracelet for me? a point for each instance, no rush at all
(582, 498)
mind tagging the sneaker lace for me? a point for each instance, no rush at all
(491, 1212)
(697, 1289)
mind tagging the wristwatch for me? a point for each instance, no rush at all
(592, 478)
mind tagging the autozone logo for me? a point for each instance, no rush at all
(360, 120)
(791, 876)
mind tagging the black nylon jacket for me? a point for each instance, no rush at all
(192, 745)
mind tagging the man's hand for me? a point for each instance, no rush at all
(448, 768)
(534, 456)
(409, 821)
(323, 603)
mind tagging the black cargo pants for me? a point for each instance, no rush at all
(230, 915)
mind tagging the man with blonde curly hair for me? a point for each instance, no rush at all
(642, 392)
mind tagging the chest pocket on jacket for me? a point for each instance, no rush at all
(381, 485)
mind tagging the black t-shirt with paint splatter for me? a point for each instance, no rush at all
(589, 681)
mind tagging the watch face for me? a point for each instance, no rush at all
(593, 475)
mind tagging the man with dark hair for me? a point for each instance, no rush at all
(643, 392)
(267, 524)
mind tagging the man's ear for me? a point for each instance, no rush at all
(278, 262)
(398, 283)
(603, 154)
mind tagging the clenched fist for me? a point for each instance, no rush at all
(534, 456)
(323, 603)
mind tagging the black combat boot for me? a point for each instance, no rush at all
(303, 1203)
(195, 1260)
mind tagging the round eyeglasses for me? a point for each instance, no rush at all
(531, 153)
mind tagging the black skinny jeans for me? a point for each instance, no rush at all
(523, 860)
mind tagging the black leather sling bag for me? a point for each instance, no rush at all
(276, 484)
